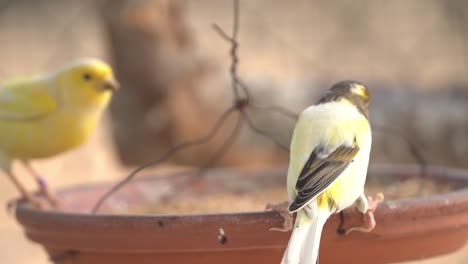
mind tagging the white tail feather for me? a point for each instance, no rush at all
(303, 246)
(312, 241)
(296, 241)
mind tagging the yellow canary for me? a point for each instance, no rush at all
(328, 166)
(48, 114)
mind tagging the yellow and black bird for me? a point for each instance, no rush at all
(328, 165)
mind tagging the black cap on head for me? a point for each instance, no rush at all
(356, 93)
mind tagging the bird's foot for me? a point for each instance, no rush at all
(373, 202)
(51, 198)
(368, 216)
(282, 209)
(47, 194)
(341, 230)
(37, 203)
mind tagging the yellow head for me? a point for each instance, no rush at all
(85, 84)
(349, 91)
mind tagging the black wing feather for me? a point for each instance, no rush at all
(317, 173)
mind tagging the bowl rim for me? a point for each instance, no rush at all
(166, 233)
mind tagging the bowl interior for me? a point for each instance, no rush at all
(235, 190)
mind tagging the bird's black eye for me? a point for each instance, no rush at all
(87, 77)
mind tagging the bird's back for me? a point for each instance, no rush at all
(33, 124)
(328, 125)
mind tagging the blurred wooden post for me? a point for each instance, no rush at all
(168, 95)
(151, 48)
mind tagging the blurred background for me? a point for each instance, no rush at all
(173, 69)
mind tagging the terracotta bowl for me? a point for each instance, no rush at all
(407, 229)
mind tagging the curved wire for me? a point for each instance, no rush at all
(165, 157)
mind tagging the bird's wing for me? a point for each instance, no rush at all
(22, 101)
(321, 169)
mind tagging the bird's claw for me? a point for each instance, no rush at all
(38, 203)
(368, 216)
(282, 209)
(373, 202)
(52, 199)
(46, 193)
(369, 224)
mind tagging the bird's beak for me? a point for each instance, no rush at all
(110, 84)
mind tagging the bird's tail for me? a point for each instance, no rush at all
(303, 246)
(312, 242)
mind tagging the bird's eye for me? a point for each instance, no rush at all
(87, 77)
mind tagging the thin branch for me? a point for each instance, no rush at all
(242, 85)
(276, 108)
(236, 83)
(226, 144)
(263, 132)
(221, 32)
(413, 149)
(165, 157)
(221, 151)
